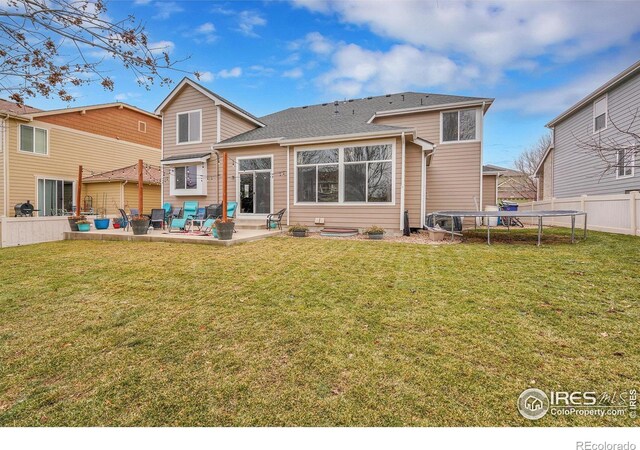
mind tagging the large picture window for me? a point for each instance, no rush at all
(33, 140)
(188, 127)
(459, 125)
(188, 179)
(355, 174)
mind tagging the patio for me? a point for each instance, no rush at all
(242, 235)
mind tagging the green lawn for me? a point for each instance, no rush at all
(313, 332)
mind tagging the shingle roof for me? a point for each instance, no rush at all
(343, 117)
(150, 175)
(11, 107)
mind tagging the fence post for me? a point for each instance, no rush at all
(583, 201)
(553, 199)
(633, 196)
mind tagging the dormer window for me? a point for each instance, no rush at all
(189, 125)
(600, 114)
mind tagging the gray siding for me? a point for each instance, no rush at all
(577, 172)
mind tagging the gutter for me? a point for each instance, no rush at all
(417, 109)
(349, 137)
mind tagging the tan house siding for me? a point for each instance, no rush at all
(413, 184)
(66, 151)
(453, 177)
(150, 197)
(189, 99)
(546, 181)
(98, 191)
(113, 122)
(232, 124)
(489, 190)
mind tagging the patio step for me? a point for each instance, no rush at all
(250, 224)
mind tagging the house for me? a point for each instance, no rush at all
(570, 167)
(513, 185)
(40, 151)
(118, 188)
(351, 163)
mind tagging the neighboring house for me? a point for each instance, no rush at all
(513, 185)
(40, 151)
(119, 189)
(351, 163)
(568, 169)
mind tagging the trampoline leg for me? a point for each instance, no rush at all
(539, 230)
(584, 236)
(451, 228)
(573, 229)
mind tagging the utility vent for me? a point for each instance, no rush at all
(369, 98)
(324, 104)
(304, 107)
(388, 95)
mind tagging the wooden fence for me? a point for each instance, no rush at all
(617, 213)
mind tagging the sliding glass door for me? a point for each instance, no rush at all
(55, 197)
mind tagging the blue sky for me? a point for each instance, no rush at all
(536, 58)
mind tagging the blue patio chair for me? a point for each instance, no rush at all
(125, 219)
(168, 209)
(199, 218)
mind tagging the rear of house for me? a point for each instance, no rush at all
(352, 163)
(569, 168)
(41, 152)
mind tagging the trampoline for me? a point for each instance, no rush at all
(531, 214)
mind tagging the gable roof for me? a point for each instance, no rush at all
(53, 112)
(12, 108)
(150, 175)
(544, 156)
(348, 117)
(217, 99)
(620, 78)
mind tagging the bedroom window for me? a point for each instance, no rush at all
(358, 174)
(459, 125)
(600, 114)
(625, 162)
(33, 140)
(188, 127)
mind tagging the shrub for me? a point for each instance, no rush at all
(374, 230)
(299, 228)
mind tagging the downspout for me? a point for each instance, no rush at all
(423, 182)
(481, 152)
(402, 184)
(5, 164)
(218, 139)
(288, 184)
(122, 194)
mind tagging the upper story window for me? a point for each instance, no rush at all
(33, 140)
(600, 114)
(459, 125)
(189, 125)
(142, 126)
(625, 162)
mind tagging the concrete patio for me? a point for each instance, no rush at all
(241, 236)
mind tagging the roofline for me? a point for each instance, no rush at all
(8, 115)
(318, 139)
(184, 160)
(348, 137)
(622, 76)
(92, 107)
(216, 100)
(544, 156)
(396, 112)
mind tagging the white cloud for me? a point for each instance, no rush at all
(293, 73)
(315, 42)
(159, 47)
(206, 76)
(204, 33)
(357, 70)
(248, 20)
(124, 96)
(206, 28)
(231, 73)
(166, 9)
(497, 34)
(142, 2)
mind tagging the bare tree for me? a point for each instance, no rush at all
(527, 163)
(619, 150)
(47, 46)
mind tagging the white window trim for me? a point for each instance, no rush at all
(36, 201)
(238, 172)
(178, 131)
(605, 97)
(340, 163)
(201, 180)
(24, 152)
(633, 163)
(478, 126)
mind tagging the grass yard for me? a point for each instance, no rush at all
(313, 332)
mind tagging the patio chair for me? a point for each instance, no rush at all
(199, 219)
(182, 224)
(175, 213)
(167, 211)
(276, 218)
(157, 218)
(133, 212)
(189, 210)
(213, 211)
(125, 219)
